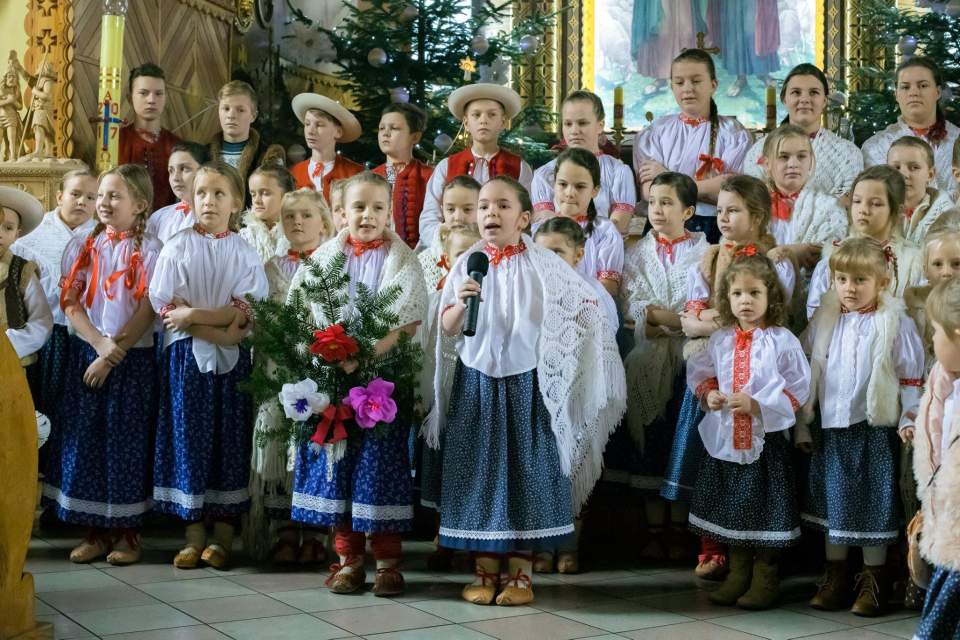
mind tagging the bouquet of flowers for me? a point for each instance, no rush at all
(329, 381)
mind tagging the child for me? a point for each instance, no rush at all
(804, 93)
(653, 295)
(876, 212)
(867, 370)
(185, 159)
(261, 223)
(682, 143)
(401, 127)
(582, 120)
(743, 213)
(366, 487)
(325, 124)
(484, 109)
(238, 143)
(73, 218)
(514, 486)
(752, 377)
(25, 313)
(337, 210)
(919, 84)
(306, 224)
(144, 141)
(199, 288)
(99, 467)
(935, 461)
(458, 202)
(577, 182)
(913, 158)
(955, 169)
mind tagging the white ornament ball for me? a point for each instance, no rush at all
(479, 45)
(528, 44)
(377, 57)
(443, 142)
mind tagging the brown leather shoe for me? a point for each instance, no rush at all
(187, 558)
(518, 591)
(543, 562)
(872, 593)
(94, 546)
(126, 548)
(486, 591)
(568, 563)
(389, 582)
(348, 577)
(834, 589)
(216, 556)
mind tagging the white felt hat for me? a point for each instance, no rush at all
(461, 97)
(348, 122)
(29, 208)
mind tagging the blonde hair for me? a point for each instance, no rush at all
(316, 201)
(82, 172)
(861, 256)
(943, 306)
(337, 189)
(138, 182)
(238, 88)
(946, 228)
(447, 234)
(368, 177)
(775, 139)
(234, 181)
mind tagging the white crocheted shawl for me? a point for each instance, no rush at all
(579, 372)
(267, 242)
(818, 218)
(432, 273)
(653, 363)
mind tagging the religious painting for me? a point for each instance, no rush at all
(754, 43)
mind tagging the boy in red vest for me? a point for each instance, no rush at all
(325, 123)
(401, 127)
(485, 110)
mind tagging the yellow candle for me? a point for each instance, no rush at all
(618, 107)
(771, 107)
(110, 91)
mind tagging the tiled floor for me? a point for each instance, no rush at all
(154, 601)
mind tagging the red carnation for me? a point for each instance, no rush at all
(333, 344)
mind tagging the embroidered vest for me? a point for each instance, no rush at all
(408, 193)
(502, 163)
(342, 169)
(13, 311)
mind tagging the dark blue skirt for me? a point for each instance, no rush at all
(98, 466)
(204, 438)
(686, 453)
(49, 373)
(502, 485)
(852, 486)
(748, 505)
(431, 475)
(370, 488)
(940, 619)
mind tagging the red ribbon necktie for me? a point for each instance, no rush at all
(708, 164)
(692, 122)
(359, 248)
(333, 417)
(499, 255)
(183, 208)
(783, 205)
(297, 256)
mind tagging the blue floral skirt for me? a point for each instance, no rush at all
(370, 488)
(748, 505)
(852, 490)
(49, 373)
(686, 453)
(502, 485)
(940, 619)
(204, 438)
(98, 465)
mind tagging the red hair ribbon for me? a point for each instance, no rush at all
(89, 256)
(745, 251)
(708, 164)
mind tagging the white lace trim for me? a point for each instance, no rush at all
(429, 504)
(529, 534)
(793, 534)
(104, 509)
(197, 501)
(382, 512)
(318, 504)
(856, 535)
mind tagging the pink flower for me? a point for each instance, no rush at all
(372, 404)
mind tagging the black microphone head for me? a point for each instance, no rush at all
(478, 262)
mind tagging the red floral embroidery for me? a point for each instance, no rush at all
(216, 236)
(167, 308)
(498, 255)
(542, 206)
(668, 245)
(243, 306)
(609, 275)
(696, 307)
(911, 382)
(622, 206)
(693, 122)
(742, 423)
(705, 387)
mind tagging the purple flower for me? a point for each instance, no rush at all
(372, 404)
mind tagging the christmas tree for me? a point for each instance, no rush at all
(420, 51)
(934, 34)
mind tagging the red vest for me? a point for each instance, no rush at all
(503, 163)
(342, 169)
(408, 194)
(152, 155)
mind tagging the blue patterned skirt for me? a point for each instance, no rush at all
(686, 453)
(370, 488)
(748, 505)
(49, 373)
(940, 619)
(852, 486)
(204, 438)
(502, 485)
(98, 465)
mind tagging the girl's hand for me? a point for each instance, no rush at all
(650, 169)
(716, 400)
(468, 289)
(178, 319)
(906, 435)
(809, 255)
(96, 374)
(741, 403)
(238, 329)
(621, 220)
(709, 315)
(109, 350)
(349, 366)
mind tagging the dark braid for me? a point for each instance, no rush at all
(582, 158)
(714, 127)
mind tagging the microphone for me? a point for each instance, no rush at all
(477, 265)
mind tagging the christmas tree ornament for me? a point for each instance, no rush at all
(479, 45)
(443, 142)
(907, 45)
(528, 44)
(410, 13)
(399, 94)
(953, 8)
(469, 67)
(500, 71)
(377, 57)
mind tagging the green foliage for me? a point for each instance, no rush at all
(284, 332)
(425, 42)
(938, 37)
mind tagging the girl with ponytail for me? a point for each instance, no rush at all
(98, 471)
(697, 141)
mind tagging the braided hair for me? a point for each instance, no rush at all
(585, 159)
(704, 58)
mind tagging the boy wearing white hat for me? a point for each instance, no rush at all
(326, 122)
(24, 311)
(485, 109)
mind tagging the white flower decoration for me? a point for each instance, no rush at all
(302, 400)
